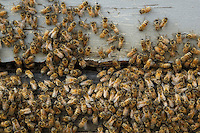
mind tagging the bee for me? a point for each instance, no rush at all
(110, 70)
(5, 123)
(195, 126)
(83, 5)
(32, 3)
(94, 27)
(84, 25)
(111, 39)
(33, 84)
(145, 10)
(15, 123)
(148, 64)
(69, 15)
(58, 53)
(191, 36)
(46, 35)
(194, 62)
(56, 7)
(86, 82)
(64, 8)
(195, 51)
(46, 10)
(127, 127)
(83, 122)
(16, 49)
(54, 18)
(116, 64)
(23, 15)
(198, 43)
(108, 51)
(114, 28)
(186, 47)
(143, 25)
(159, 50)
(179, 38)
(101, 74)
(159, 57)
(82, 62)
(72, 26)
(29, 74)
(104, 33)
(18, 61)
(97, 9)
(48, 19)
(53, 76)
(121, 42)
(165, 65)
(3, 28)
(20, 32)
(163, 22)
(101, 53)
(186, 56)
(90, 11)
(157, 24)
(105, 22)
(16, 8)
(42, 86)
(29, 59)
(87, 51)
(30, 10)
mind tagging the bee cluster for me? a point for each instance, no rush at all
(151, 94)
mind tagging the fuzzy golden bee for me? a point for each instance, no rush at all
(143, 25)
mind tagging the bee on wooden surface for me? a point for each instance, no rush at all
(145, 10)
(94, 27)
(143, 25)
(46, 10)
(84, 25)
(29, 74)
(195, 51)
(104, 33)
(48, 19)
(97, 9)
(56, 7)
(82, 62)
(90, 11)
(163, 22)
(101, 53)
(186, 56)
(191, 36)
(83, 5)
(54, 18)
(69, 15)
(157, 24)
(114, 28)
(63, 8)
(105, 22)
(16, 8)
(30, 10)
(87, 51)
(109, 50)
(83, 122)
(71, 26)
(121, 43)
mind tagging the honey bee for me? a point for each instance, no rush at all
(16, 49)
(100, 129)
(94, 27)
(104, 33)
(20, 32)
(58, 53)
(46, 10)
(198, 43)
(157, 24)
(48, 19)
(53, 76)
(90, 11)
(191, 36)
(121, 42)
(145, 10)
(30, 10)
(108, 51)
(18, 61)
(111, 39)
(69, 15)
(194, 62)
(114, 28)
(186, 47)
(54, 18)
(72, 26)
(16, 8)
(83, 122)
(83, 5)
(5, 123)
(82, 62)
(97, 9)
(23, 15)
(29, 74)
(105, 22)
(143, 25)
(179, 38)
(195, 51)
(15, 123)
(148, 64)
(84, 25)
(186, 56)
(3, 28)
(163, 22)
(64, 9)
(79, 12)
(101, 53)
(42, 86)
(159, 50)
(56, 7)
(33, 84)
(87, 51)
